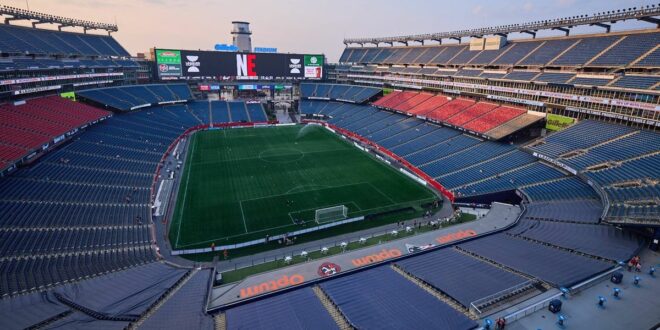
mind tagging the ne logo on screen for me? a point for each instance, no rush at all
(246, 65)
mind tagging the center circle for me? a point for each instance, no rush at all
(281, 155)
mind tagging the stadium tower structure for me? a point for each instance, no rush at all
(241, 36)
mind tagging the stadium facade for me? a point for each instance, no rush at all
(556, 137)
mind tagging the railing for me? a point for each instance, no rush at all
(474, 306)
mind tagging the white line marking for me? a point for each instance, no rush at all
(240, 203)
(382, 193)
(185, 193)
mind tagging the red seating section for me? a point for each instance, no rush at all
(413, 102)
(26, 127)
(475, 116)
(383, 100)
(471, 113)
(429, 105)
(449, 109)
(494, 118)
(397, 99)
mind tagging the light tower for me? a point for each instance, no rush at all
(241, 36)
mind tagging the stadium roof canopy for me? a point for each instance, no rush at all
(14, 14)
(604, 20)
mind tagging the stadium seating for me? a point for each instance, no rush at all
(597, 240)
(23, 40)
(590, 81)
(238, 112)
(127, 98)
(429, 105)
(547, 51)
(449, 109)
(256, 112)
(475, 171)
(185, 308)
(449, 270)
(83, 211)
(471, 113)
(632, 145)
(628, 49)
(554, 77)
(582, 211)
(622, 160)
(569, 188)
(586, 133)
(493, 119)
(512, 179)
(636, 82)
(561, 268)
(415, 308)
(585, 50)
(39, 122)
(299, 309)
(347, 93)
(597, 50)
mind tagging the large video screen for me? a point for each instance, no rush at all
(176, 63)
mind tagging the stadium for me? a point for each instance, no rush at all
(451, 180)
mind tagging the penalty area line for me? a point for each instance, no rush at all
(243, 216)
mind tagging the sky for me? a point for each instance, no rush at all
(309, 26)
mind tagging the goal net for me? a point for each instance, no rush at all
(330, 214)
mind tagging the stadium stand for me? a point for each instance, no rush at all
(620, 160)
(185, 308)
(23, 40)
(299, 309)
(346, 93)
(39, 123)
(582, 211)
(569, 188)
(558, 267)
(597, 240)
(127, 98)
(449, 270)
(415, 307)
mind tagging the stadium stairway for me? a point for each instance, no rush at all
(332, 309)
(136, 324)
(220, 321)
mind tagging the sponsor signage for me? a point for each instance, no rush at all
(37, 89)
(239, 66)
(557, 122)
(168, 62)
(314, 66)
(265, 50)
(226, 48)
(555, 162)
(272, 285)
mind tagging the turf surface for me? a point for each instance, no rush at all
(243, 184)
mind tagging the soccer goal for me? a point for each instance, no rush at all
(330, 214)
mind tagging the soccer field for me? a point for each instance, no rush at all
(243, 184)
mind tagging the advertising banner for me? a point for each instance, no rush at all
(314, 66)
(169, 62)
(557, 122)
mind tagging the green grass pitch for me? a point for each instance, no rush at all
(243, 184)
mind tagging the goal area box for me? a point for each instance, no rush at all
(331, 214)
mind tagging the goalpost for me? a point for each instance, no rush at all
(330, 214)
